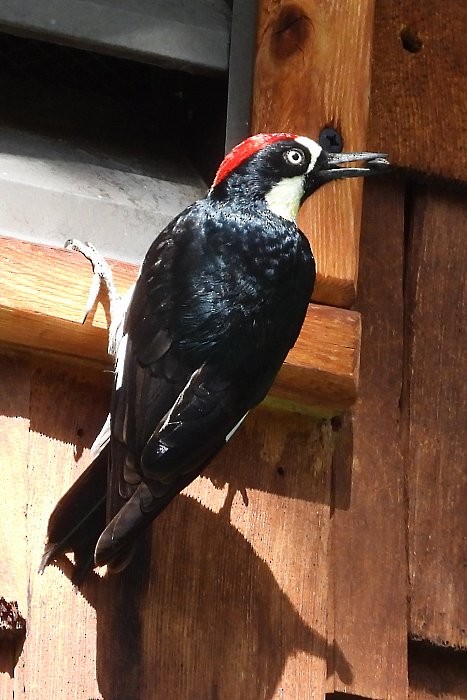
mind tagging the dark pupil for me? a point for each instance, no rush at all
(295, 156)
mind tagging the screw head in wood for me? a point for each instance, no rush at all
(330, 140)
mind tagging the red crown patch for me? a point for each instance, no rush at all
(244, 150)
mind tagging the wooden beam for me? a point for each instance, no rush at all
(312, 71)
(43, 292)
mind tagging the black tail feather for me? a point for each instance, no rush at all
(117, 541)
(79, 518)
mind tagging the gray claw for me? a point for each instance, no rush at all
(102, 273)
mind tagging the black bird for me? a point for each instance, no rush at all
(219, 302)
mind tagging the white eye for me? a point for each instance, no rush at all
(294, 156)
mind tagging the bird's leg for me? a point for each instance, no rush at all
(101, 273)
(229, 499)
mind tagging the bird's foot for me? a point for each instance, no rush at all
(102, 273)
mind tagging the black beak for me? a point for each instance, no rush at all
(331, 170)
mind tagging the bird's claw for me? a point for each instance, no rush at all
(101, 273)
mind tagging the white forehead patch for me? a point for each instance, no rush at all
(314, 148)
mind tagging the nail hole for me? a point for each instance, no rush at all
(80, 432)
(410, 40)
(281, 471)
(336, 423)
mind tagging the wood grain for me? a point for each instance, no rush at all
(43, 292)
(227, 598)
(233, 603)
(59, 654)
(14, 432)
(436, 415)
(368, 593)
(418, 92)
(311, 71)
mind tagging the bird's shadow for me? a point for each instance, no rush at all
(199, 622)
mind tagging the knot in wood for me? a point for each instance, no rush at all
(12, 623)
(291, 31)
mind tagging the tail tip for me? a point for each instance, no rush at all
(47, 557)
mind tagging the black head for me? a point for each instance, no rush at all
(283, 170)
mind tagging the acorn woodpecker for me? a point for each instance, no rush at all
(219, 302)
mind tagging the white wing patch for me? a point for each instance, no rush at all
(235, 428)
(120, 361)
(102, 439)
(119, 310)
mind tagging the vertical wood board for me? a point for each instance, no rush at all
(14, 432)
(312, 71)
(368, 522)
(436, 412)
(58, 658)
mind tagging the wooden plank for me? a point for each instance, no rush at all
(43, 292)
(312, 71)
(59, 654)
(419, 82)
(436, 412)
(368, 536)
(436, 673)
(14, 431)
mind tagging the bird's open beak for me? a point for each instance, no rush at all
(332, 170)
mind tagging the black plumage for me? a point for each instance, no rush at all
(220, 300)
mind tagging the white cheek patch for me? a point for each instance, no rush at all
(314, 149)
(284, 198)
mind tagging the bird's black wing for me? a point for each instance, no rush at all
(194, 364)
(187, 437)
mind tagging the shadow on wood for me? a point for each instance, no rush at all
(276, 452)
(208, 622)
(257, 457)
